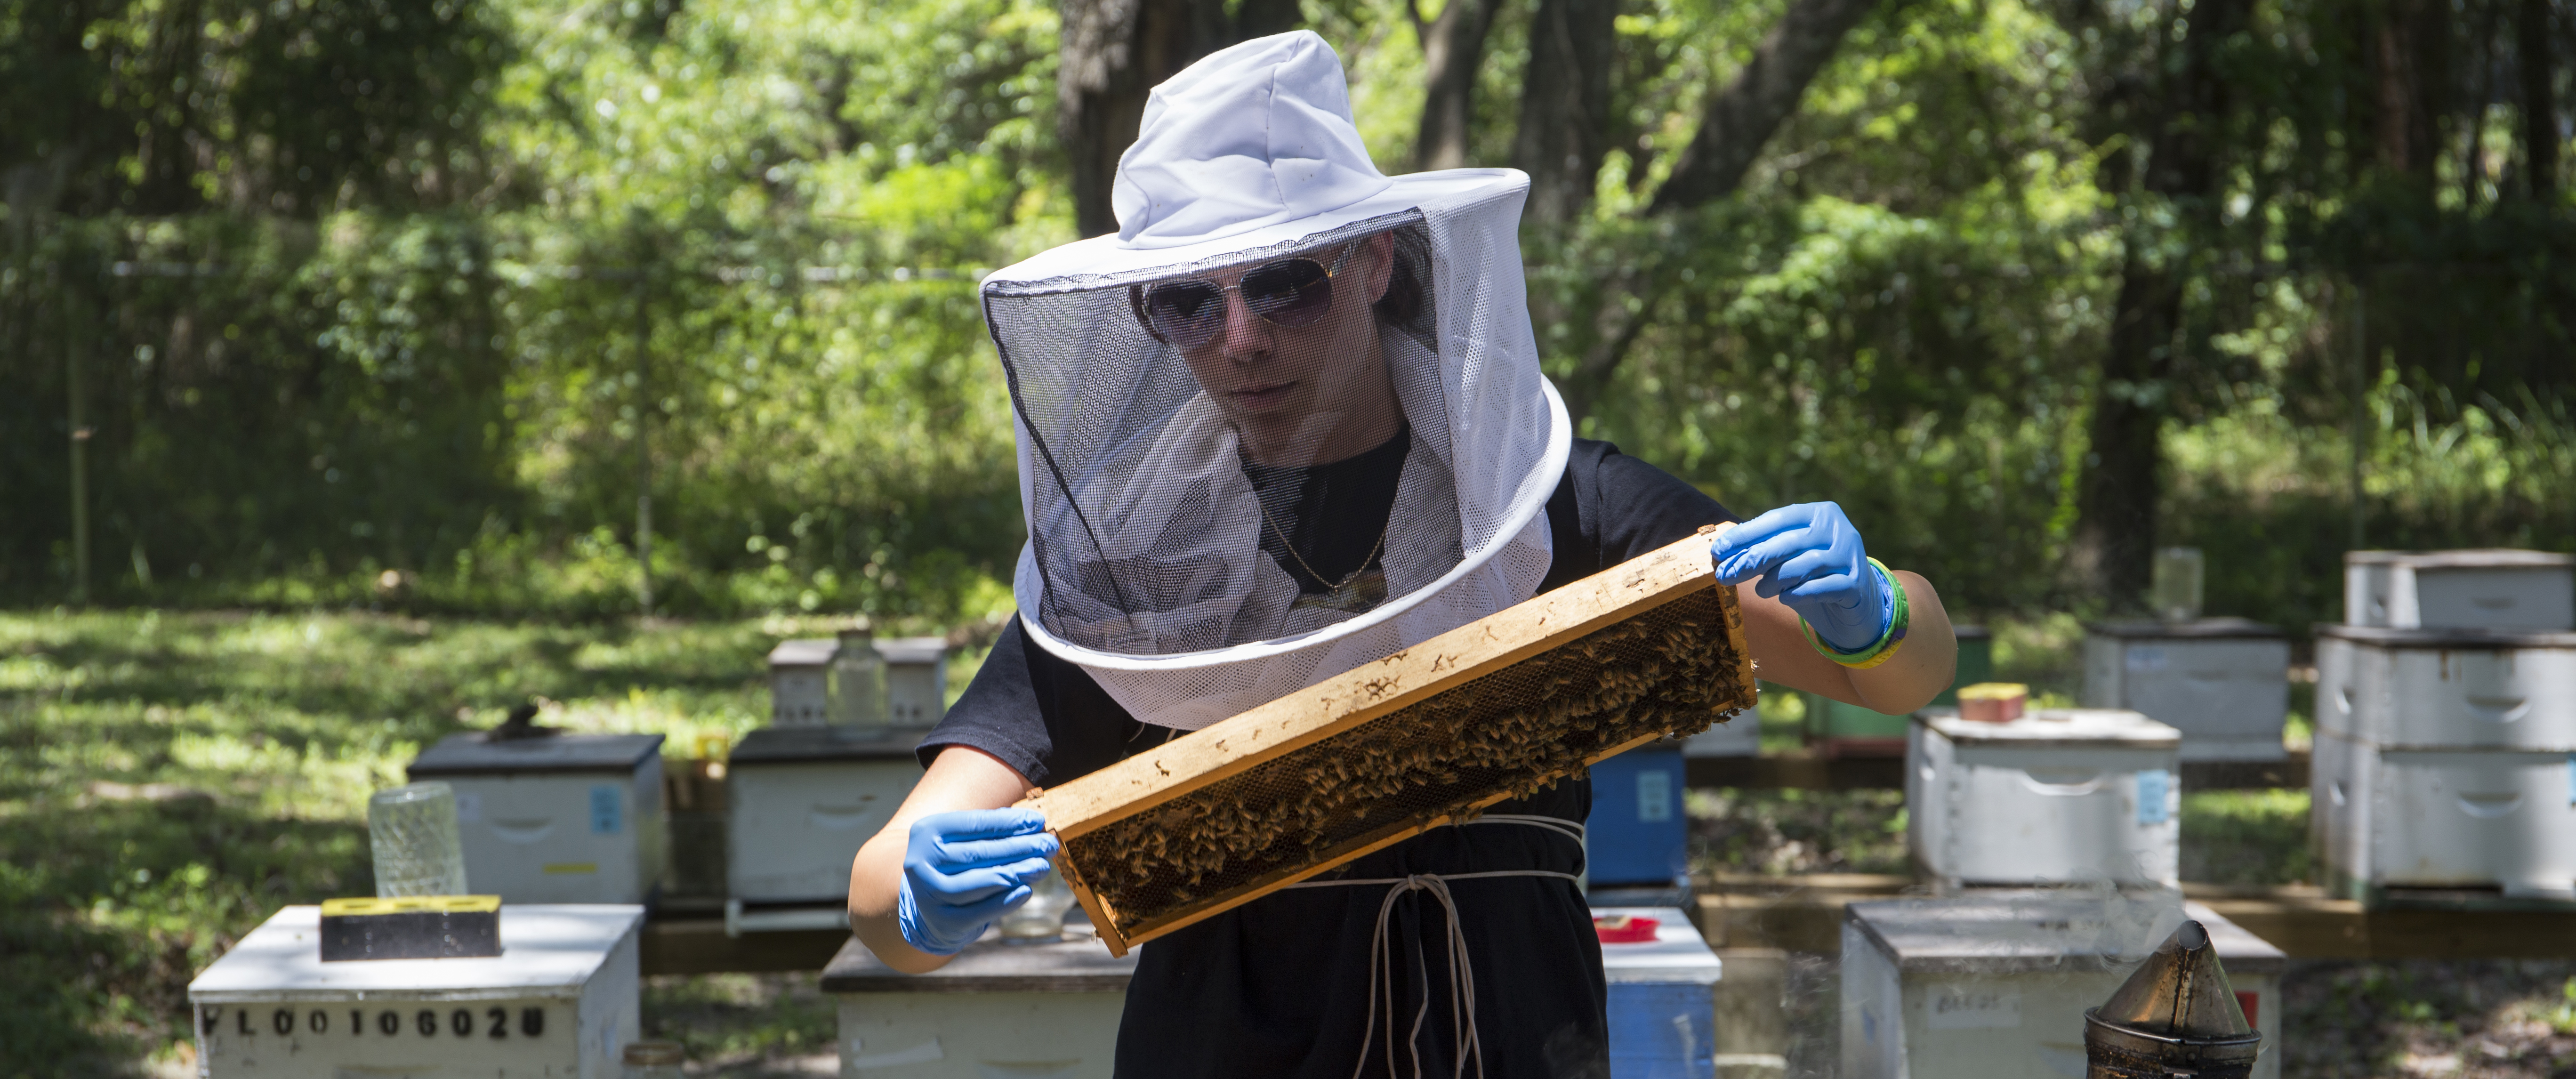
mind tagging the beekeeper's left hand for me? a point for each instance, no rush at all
(1810, 557)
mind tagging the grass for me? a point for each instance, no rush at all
(168, 780)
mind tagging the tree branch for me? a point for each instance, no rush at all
(1741, 117)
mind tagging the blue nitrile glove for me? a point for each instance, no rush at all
(1809, 556)
(963, 870)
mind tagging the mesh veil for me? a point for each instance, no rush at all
(1145, 561)
(1195, 542)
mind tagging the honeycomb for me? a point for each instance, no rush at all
(1669, 671)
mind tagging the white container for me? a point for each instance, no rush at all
(2466, 819)
(1737, 737)
(803, 800)
(1995, 986)
(799, 682)
(916, 679)
(559, 1002)
(571, 818)
(1025, 1010)
(2448, 688)
(2061, 795)
(2223, 682)
(1662, 1001)
(2483, 589)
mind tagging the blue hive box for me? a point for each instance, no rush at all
(1638, 834)
(1662, 1000)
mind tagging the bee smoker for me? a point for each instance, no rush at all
(2175, 1016)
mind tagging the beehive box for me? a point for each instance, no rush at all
(2448, 688)
(1501, 707)
(571, 818)
(2475, 589)
(1638, 833)
(995, 1010)
(799, 682)
(2395, 824)
(2223, 682)
(804, 800)
(559, 1002)
(916, 680)
(2061, 795)
(1994, 986)
(1662, 1001)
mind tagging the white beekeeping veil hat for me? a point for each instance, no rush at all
(1290, 418)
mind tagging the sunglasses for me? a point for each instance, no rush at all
(1291, 292)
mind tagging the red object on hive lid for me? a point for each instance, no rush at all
(1625, 929)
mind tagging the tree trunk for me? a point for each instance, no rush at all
(1741, 117)
(1112, 53)
(2123, 473)
(1565, 105)
(2539, 107)
(1453, 48)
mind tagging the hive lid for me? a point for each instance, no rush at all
(2008, 932)
(546, 949)
(2196, 629)
(913, 649)
(1677, 955)
(1972, 633)
(470, 754)
(2447, 638)
(2472, 558)
(799, 745)
(2042, 728)
(813, 652)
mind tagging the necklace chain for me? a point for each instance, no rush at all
(1291, 545)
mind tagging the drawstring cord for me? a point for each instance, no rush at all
(1462, 976)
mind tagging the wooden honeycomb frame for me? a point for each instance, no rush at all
(1345, 710)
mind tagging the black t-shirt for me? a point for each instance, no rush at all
(1280, 986)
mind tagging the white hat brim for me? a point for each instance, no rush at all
(1088, 263)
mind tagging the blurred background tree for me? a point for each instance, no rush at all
(495, 305)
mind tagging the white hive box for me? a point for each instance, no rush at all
(2486, 589)
(2223, 682)
(571, 818)
(2448, 688)
(1995, 986)
(1662, 1006)
(799, 671)
(916, 679)
(2061, 795)
(803, 800)
(2476, 820)
(1738, 737)
(1027, 1010)
(559, 1002)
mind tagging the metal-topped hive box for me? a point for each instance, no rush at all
(2453, 688)
(564, 818)
(996, 1009)
(557, 1003)
(799, 682)
(2061, 795)
(804, 800)
(2223, 682)
(916, 679)
(1994, 985)
(2470, 589)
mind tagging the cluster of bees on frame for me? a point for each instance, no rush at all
(1514, 732)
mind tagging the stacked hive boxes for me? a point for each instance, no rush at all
(2223, 682)
(2445, 760)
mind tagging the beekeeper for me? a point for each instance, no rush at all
(1289, 419)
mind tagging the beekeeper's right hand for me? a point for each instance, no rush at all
(963, 870)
